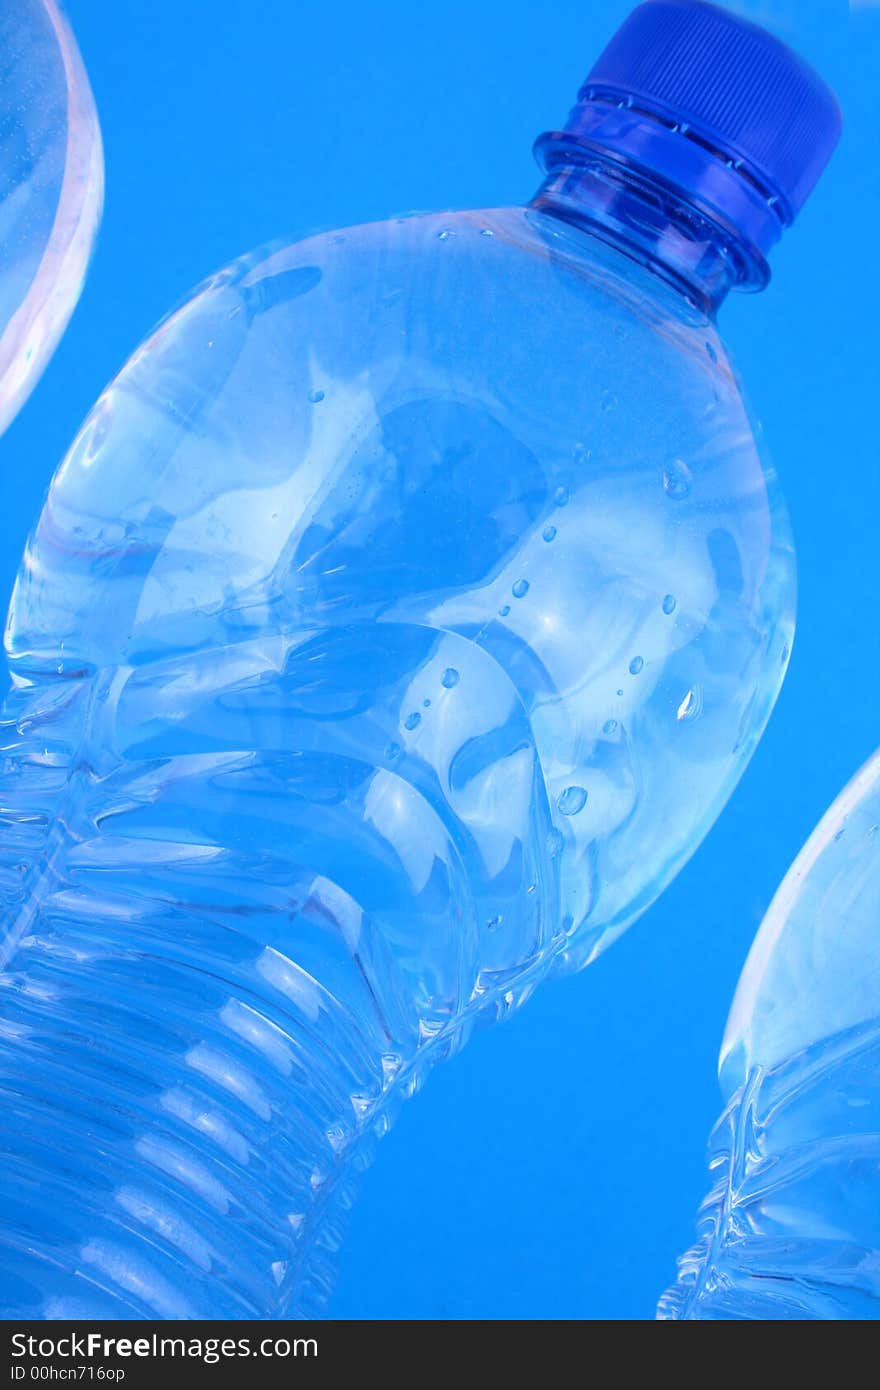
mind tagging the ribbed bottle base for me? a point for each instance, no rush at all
(171, 1137)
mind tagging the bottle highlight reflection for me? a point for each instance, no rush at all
(791, 1228)
(52, 177)
(395, 629)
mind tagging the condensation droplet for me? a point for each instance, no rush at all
(520, 588)
(610, 726)
(636, 665)
(494, 923)
(426, 704)
(669, 604)
(393, 751)
(549, 533)
(316, 397)
(712, 354)
(503, 612)
(450, 678)
(561, 497)
(608, 402)
(444, 235)
(691, 706)
(572, 800)
(677, 480)
(486, 231)
(555, 841)
(412, 721)
(580, 453)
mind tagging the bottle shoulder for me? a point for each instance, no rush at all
(467, 259)
(430, 369)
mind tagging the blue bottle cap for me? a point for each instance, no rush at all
(714, 107)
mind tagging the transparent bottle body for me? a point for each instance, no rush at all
(791, 1227)
(398, 624)
(52, 174)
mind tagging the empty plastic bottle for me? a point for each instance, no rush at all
(791, 1228)
(397, 626)
(52, 175)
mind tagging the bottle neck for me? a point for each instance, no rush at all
(651, 224)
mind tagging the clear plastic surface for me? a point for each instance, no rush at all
(51, 176)
(791, 1228)
(396, 627)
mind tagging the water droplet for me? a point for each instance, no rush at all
(840, 833)
(580, 453)
(412, 721)
(610, 726)
(561, 497)
(520, 588)
(450, 678)
(669, 604)
(677, 480)
(608, 402)
(636, 665)
(503, 612)
(426, 704)
(549, 533)
(494, 923)
(444, 235)
(393, 751)
(784, 654)
(712, 354)
(572, 800)
(620, 692)
(555, 841)
(486, 231)
(316, 397)
(691, 706)
(532, 888)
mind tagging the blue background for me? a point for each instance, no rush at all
(554, 1169)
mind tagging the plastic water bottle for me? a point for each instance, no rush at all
(52, 174)
(791, 1228)
(395, 629)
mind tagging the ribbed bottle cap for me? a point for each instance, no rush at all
(687, 90)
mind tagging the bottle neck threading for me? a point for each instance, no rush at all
(650, 222)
